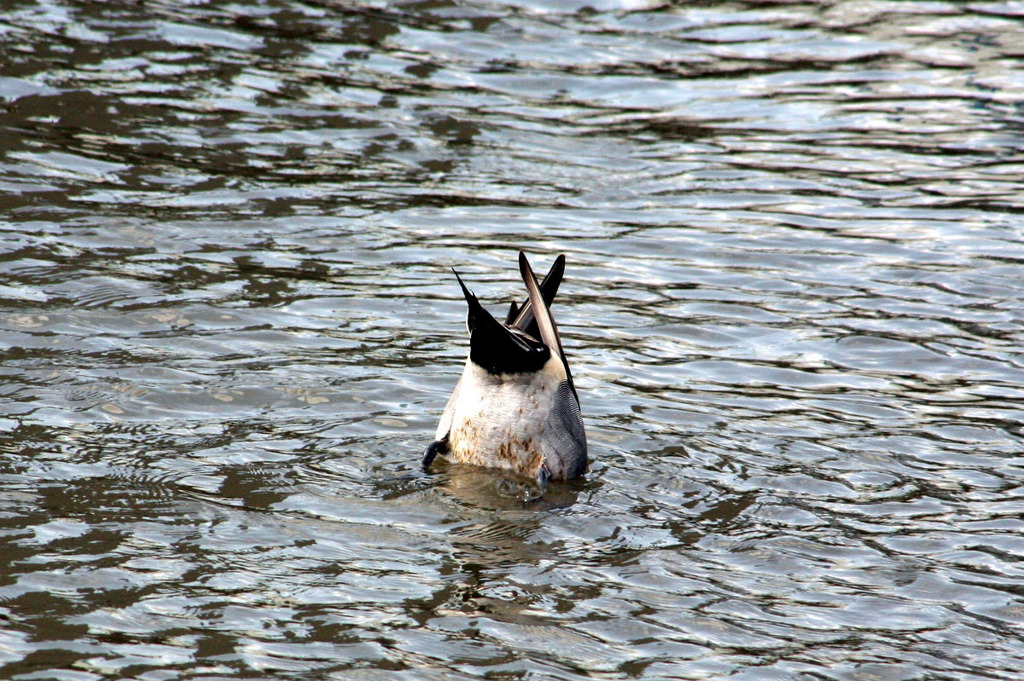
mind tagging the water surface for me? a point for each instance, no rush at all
(793, 309)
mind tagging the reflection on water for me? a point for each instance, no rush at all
(793, 307)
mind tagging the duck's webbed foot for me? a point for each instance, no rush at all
(433, 449)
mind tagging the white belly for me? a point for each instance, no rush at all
(502, 421)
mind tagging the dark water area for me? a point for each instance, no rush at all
(794, 308)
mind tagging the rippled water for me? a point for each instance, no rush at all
(794, 309)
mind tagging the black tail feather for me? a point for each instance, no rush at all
(497, 348)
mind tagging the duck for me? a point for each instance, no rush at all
(515, 406)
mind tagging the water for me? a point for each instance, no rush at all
(793, 308)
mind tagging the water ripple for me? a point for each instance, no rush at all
(792, 307)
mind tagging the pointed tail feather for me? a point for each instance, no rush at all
(545, 322)
(496, 347)
(525, 319)
(513, 312)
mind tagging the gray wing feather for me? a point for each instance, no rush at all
(566, 455)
